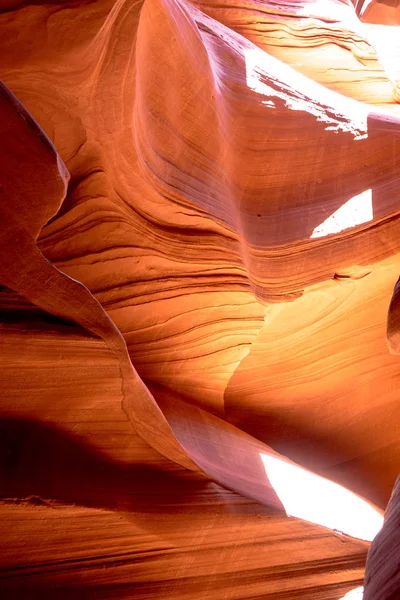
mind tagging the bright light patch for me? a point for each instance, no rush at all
(356, 594)
(354, 212)
(281, 84)
(386, 41)
(253, 77)
(323, 9)
(315, 499)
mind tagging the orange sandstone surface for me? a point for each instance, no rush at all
(200, 239)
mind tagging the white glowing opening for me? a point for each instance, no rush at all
(356, 594)
(354, 212)
(310, 497)
(321, 9)
(386, 41)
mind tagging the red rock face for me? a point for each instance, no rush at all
(199, 243)
(385, 13)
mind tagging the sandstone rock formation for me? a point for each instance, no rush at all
(200, 238)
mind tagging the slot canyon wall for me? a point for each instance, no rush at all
(199, 308)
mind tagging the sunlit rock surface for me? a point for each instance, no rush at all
(200, 237)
